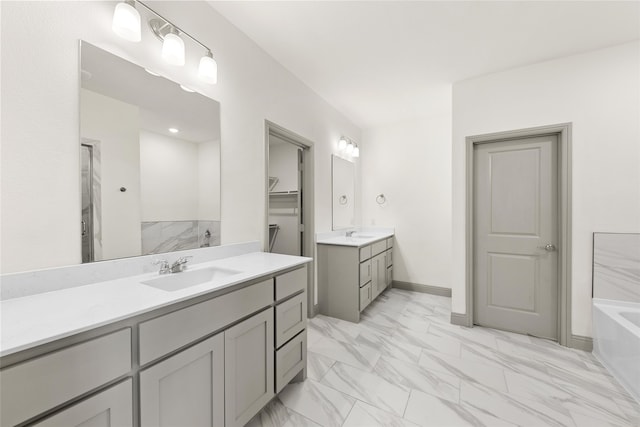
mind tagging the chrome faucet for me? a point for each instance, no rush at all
(164, 266)
(350, 233)
(180, 264)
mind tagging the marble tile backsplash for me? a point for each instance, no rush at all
(616, 266)
(169, 236)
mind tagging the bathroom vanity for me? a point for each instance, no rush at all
(352, 271)
(143, 350)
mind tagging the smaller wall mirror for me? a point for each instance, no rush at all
(343, 188)
(150, 161)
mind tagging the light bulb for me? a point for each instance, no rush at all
(356, 152)
(208, 69)
(126, 22)
(350, 147)
(173, 49)
(342, 144)
(174, 130)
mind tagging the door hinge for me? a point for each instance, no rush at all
(301, 228)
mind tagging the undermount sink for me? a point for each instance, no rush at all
(362, 236)
(178, 281)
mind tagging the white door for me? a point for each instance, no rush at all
(515, 236)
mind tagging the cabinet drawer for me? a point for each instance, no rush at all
(365, 296)
(166, 333)
(365, 272)
(291, 318)
(290, 283)
(40, 384)
(389, 242)
(365, 253)
(290, 360)
(389, 258)
(378, 247)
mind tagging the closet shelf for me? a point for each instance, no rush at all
(283, 193)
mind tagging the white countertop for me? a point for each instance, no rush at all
(357, 240)
(41, 318)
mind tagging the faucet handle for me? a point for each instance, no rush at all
(184, 259)
(164, 266)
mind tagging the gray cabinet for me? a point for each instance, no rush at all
(187, 388)
(40, 384)
(379, 277)
(365, 296)
(249, 368)
(350, 277)
(112, 407)
(167, 367)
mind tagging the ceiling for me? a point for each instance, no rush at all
(381, 62)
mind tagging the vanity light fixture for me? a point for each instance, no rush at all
(126, 21)
(174, 130)
(173, 48)
(208, 68)
(126, 24)
(350, 147)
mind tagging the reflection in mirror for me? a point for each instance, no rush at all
(150, 161)
(343, 184)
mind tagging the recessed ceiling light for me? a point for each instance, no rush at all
(174, 130)
(186, 89)
(151, 72)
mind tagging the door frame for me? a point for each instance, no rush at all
(563, 133)
(308, 243)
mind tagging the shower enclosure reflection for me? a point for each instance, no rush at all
(150, 166)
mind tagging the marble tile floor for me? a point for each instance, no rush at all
(404, 364)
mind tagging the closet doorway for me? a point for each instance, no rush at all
(289, 196)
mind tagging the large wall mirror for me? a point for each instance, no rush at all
(150, 161)
(343, 189)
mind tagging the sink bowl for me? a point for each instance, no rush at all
(186, 279)
(362, 236)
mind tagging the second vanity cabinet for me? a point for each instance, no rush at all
(214, 362)
(350, 277)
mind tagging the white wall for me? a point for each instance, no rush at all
(168, 178)
(39, 96)
(115, 124)
(599, 92)
(343, 183)
(410, 163)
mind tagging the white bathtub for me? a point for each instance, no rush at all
(616, 341)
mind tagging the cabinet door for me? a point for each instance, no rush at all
(389, 276)
(380, 274)
(249, 370)
(110, 408)
(365, 296)
(186, 389)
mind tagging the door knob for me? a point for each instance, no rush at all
(548, 247)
